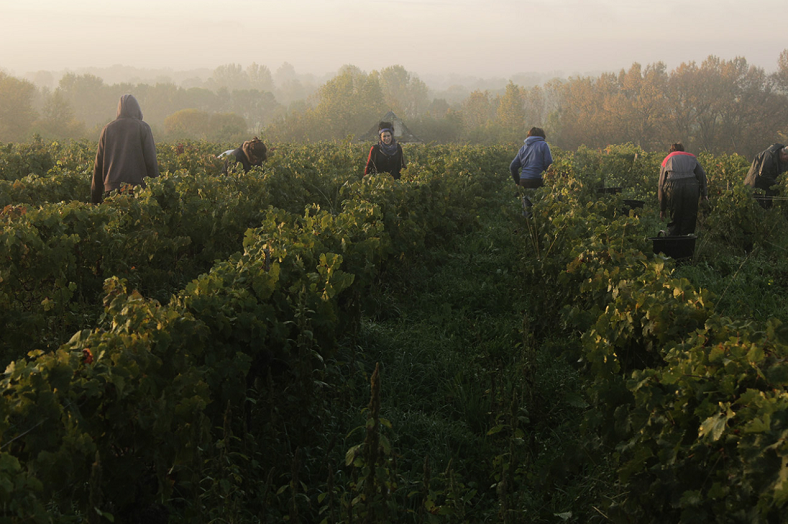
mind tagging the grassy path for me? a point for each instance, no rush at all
(465, 383)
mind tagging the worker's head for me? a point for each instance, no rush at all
(678, 146)
(386, 132)
(536, 131)
(784, 154)
(255, 151)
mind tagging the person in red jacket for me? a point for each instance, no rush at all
(682, 182)
(386, 156)
(126, 152)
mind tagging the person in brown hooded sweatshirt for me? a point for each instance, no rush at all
(126, 151)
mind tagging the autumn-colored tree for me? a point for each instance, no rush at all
(781, 76)
(517, 110)
(199, 98)
(92, 101)
(16, 108)
(404, 94)
(639, 114)
(478, 110)
(684, 108)
(57, 119)
(719, 106)
(724, 106)
(260, 77)
(510, 118)
(442, 126)
(347, 104)
(709, 94)
(258, 108)
(750, 112)
(289, 88)
(186, 123)
(226, 127)
(535, 104)
(781, 84)
(229, 76)
(578, 117)
(199, 125)
(160, 100)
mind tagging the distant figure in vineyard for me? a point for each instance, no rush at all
(386, 156)
(682, 182)
(531, 161)
(766, 167)
(126, 152)
(251, 153)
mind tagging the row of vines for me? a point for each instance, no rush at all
(689, 401)
(176, 353)
(170, 350)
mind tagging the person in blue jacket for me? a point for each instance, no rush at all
(531, 161)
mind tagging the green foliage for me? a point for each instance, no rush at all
(20, 160)
(129, 400)
(16, 107)
(199, 125)
(727, 383)
(239, 311)
(689, 399)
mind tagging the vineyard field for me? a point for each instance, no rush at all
(301, 343)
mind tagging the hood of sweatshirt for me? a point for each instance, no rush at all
(128, 107)
(531, 139)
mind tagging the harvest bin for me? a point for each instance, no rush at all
(764, 201)
(682, 246)
(632, 205)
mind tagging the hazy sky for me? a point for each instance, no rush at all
(468, 37)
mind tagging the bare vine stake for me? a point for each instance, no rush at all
(502, 495)
(529, 372)
(532, 236)
(515, 410)
(331, 512)
(294, 487)
(266, 491)
(425, 487)
(95, 491)
(372, 443)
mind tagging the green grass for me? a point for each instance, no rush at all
(746, 283)
(447, 330)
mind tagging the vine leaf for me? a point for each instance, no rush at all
(714, 426)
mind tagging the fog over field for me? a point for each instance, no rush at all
(444, 42)
(713, 74)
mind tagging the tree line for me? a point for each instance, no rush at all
(719, 106)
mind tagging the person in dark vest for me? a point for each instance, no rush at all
(766, 167)
(386, 156)
(126, 152)
(682, 182)
(533, 159)
(251, 153)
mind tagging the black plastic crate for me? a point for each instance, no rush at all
(678, 247)
(764, 201)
